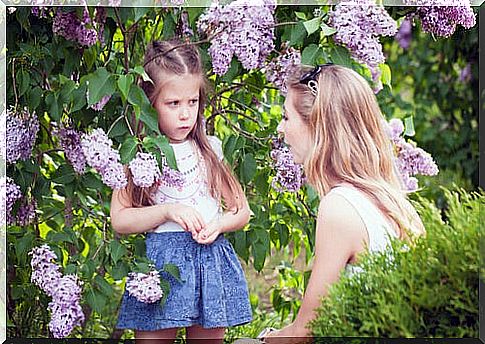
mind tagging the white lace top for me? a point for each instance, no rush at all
(195, 192)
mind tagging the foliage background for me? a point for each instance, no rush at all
(73, 211)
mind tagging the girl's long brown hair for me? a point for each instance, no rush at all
(350, 143)
(163, 59)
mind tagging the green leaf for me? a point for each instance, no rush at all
(409, 126)
(103, 285)
(310, 54)
(162, 143)
(385, 74)
(119, 271)
(53, 107)
(312, 25)
(78, 98)
(95, 299)
(116, 250)
(33, 97)
(341, 56)
(91, 181)
(258, 250)
(173, 270)
(100, 83)
(24, 244)
(124, 84)
(248, 168)
(327, 30)
(23, 80)
(64, 175)
(128, 149)
(149, 116)
(165, 286)
(141, 72)
(298, 33)
(300, 15)
(240, 245)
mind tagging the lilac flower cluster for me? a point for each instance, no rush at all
(410, 160)
(280, 68)
(100, 105)
(10, 193)
(70, 142)
(243, 28)
(144, 287)
(405, 33)
(104, 159)
(144, 169)
(26, 213)
(440, 17)
(359, 23)
(66, 312)
(289, 176)
(172, 177)
(21, 132)
(69, 26)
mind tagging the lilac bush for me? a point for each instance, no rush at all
(281, 67)
(12, 193)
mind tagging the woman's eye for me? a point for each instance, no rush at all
(174, 103)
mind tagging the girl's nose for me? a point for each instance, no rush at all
(184, 114)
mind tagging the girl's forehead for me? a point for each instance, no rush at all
(181, 85)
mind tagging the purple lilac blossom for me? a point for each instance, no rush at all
(289, 175)
(359, 23)
(70, 142)
(45, 273)
(66, 312)
(280, 68)
(410, 160)
(26, 213)
(440, 17)
(3, 135)
(242, 28)
(466, 73)
(144, 287)
(21, 132)
(10, 193)
(69, 26)
(100, 105)
(405, 33)
(144, 169)
(103, 158)
(172, 177)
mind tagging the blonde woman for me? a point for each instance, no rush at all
(334, 127)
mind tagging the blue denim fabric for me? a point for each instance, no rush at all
(213, 292)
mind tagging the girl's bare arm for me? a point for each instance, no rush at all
(126, 219)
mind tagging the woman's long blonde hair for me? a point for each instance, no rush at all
(165, 58)
(350, 143)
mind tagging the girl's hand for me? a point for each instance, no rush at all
(209, 233)
(290, 334)
(187, 217)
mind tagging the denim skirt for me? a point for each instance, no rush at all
(212, 292)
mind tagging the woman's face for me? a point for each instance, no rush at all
(177, 105)
(295, 131)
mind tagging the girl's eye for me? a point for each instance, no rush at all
(174, 103)
(194, 101)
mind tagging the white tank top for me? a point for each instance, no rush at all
(378, 227)
(195, 192)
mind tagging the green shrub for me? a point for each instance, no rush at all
(427, 290)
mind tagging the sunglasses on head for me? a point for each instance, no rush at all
(310, 78)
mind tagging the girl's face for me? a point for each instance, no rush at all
(295, 131)
(177, 105)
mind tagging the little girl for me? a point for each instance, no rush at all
(184, 222)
